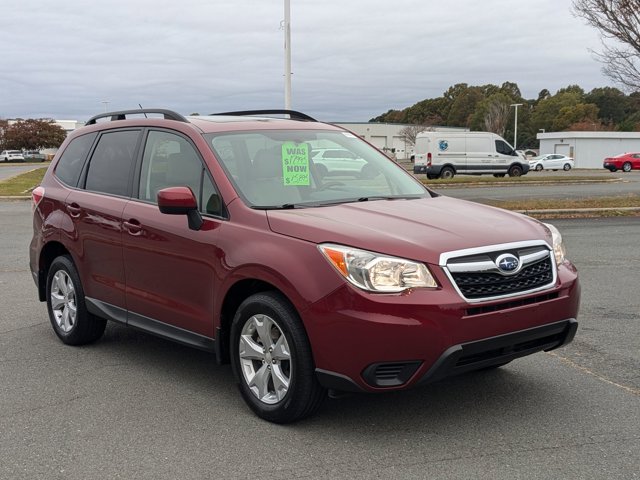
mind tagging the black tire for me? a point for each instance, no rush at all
(566, 167)
(626, 167)
(613, 169)
(431, 176)
(304, 394)
(539, 167)
(515, 171)
(447, 173)
(499, 175)
(85, 327)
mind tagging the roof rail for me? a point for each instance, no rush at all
(122, 115)
(293, 115)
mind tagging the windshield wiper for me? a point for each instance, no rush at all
(382, 197)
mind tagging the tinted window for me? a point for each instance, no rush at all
(112, 163)
(70, 164)
(503, 148)
(169, 160)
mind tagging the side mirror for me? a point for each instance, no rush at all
(180, 201)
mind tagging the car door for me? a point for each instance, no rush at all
(95, 213)
(170, 270)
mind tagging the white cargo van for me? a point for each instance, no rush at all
(445, 154)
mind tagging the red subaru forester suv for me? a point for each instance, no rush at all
(228, 233)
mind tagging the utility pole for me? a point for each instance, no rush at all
(515, 130)
(287, 54)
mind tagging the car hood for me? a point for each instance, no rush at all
(419, 229)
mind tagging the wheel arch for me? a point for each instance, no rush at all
(48, 254)
(235, 295)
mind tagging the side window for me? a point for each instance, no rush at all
(171, 161)
(72, 160)
(503, 148)
(111, 164)
(211, 201)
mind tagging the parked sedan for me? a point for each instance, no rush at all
(625, 162)
(11, 156)
(551, 161)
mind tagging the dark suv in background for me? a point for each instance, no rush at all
(221, 232)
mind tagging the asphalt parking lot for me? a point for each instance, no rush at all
(134, 406)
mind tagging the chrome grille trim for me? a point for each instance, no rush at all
(450, 266)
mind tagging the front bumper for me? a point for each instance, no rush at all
(373, 343)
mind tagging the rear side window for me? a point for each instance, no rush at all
(111, 164)
(72, 160)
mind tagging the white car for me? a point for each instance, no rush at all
(551, 161)
(11, 156)
(337, 161)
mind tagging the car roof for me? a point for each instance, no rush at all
(231, 121)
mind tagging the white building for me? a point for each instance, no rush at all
(589, 149)
(386, 136)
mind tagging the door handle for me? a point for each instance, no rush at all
(133, 227)
(74, 210)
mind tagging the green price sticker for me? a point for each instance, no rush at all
(295, 164)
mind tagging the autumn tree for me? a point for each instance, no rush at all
(619, 22)
(33, 134)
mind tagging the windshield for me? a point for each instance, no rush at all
(304, 168)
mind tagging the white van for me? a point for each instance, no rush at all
(445, 154)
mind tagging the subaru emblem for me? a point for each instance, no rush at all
(508, 263)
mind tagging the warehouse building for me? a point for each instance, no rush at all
(589, 149)
(387, 136)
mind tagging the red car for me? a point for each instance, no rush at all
(625, 162)
(219, 232)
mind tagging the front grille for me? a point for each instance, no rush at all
(475, 285)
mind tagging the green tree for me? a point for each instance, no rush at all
(613, 104)
(33, 134)
(464, 106)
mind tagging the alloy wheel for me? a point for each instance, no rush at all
(63, 301)
(265, 359)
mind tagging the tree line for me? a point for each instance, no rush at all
(31, 134)
(488, 108)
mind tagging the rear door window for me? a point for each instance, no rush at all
(112, 162)
(72, 160)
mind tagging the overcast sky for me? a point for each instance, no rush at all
(351, 59)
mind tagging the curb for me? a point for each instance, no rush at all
(534, 184)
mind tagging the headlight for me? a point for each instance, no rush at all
(377, 273)
(558, 246)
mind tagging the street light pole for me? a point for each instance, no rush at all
(106, 104)
(287, 54)
(515, 130)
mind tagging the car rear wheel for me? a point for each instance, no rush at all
(272, 360)
(447, 173)
(566, 167)
(68, 314)
(626, 167)
(515, 171)
(539, 167)
(499, 175)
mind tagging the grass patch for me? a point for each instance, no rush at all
(630, 200)
(22, 184)
(491, 180)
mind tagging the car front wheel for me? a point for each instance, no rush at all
(272, 360)
(538, 167)
(515, 171)
(68, 314)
